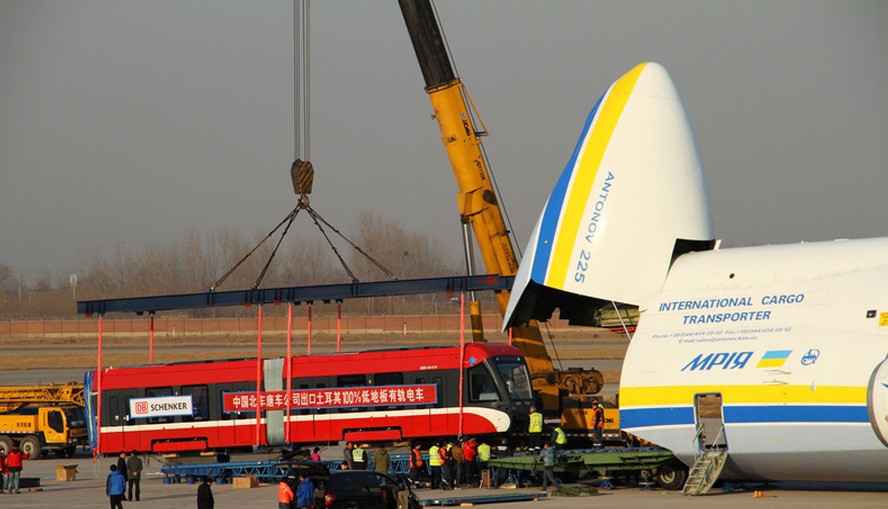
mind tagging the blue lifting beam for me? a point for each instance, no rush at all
(295, 294)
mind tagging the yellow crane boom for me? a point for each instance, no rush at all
(477, 200)
(15, 396)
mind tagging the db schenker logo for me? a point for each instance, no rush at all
(141, 408)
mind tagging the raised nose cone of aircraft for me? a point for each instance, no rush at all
(654, 81)
(633, 186)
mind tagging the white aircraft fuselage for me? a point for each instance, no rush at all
(790, 342)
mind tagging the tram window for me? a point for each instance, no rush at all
(234, 388)
(439, 385)
(388, 379)
(226, 416)
(419, 381)
(321, 386)
(481, 386)
(200, 402)
(304, 411)
(351, 381)
(114, 410)
(130, 420)
(158, 392)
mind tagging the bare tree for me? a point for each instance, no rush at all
(406, 254)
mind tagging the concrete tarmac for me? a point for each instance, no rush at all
(88, 492)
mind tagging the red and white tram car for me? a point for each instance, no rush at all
(381, 395)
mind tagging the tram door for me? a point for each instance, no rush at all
(710, 421)
(117, 414)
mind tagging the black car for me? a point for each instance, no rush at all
(352, 489)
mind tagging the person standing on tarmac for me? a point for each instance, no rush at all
(458, 460)
(115, 487)
(121, 465)
(470, 451)
(535, 429)
(347, 454)
(205, 498)
(134, 476)
(415, 464)
(558, 438)
(285, 495)
(381, 460)
(598, 422)
(14, 468)
(2, 470)
(435, 465)
(359, 458)
(305, 493)
(483, 457)
(446, 466)
(548, 455)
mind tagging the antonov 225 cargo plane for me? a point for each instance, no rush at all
(774, 355)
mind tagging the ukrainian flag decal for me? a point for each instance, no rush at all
(773, 358)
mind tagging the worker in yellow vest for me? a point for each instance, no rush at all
(435, 465)
(559, 438)
(359, 458)
(535, 429)
(483, 458)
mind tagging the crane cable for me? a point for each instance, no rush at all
(289, 220)
(313, 213)
(301, 146)
(318, 220)
(301, 80)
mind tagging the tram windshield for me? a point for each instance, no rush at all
(515, 376)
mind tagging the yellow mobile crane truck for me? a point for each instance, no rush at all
(41, 418)
(565, 393)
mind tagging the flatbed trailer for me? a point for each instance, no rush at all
(265, 470)
(643, 462)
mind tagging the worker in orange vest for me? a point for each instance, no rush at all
(415, 464)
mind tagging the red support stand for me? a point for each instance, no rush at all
(289, 369)
(98, 395)
(151, 340)
(462, 355)
(339, 326)
(259, 379)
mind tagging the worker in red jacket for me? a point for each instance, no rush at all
(470, 450)
(14, 468)
(2, 470)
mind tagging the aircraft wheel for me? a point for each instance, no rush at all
(672, 475)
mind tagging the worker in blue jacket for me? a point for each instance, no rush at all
(115, 487)
(305, 493)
